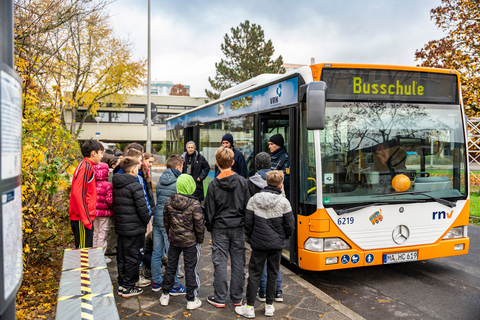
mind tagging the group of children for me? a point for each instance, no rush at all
(234, 212)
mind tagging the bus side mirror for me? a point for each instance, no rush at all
(315, 97)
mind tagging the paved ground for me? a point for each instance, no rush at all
(301, 299)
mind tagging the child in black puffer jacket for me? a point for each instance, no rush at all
(131, 219)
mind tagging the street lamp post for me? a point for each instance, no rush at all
(98, 127)
(149, 108)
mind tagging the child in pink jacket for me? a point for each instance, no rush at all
(104, 211)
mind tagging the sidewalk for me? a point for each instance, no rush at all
(301, 299)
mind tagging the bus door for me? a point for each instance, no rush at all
(281, 122)
(191, 134)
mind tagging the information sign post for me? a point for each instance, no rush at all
(11, 266)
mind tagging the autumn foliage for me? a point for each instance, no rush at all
(459, 49)
(53, 56)
(179, 90)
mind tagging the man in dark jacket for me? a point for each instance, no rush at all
(268, 222)
(280, 159)
(239, 166)
(131, 219)
(197, 166)
(227, 197)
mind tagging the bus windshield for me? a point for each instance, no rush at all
(366, 144)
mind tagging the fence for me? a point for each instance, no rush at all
(473, 135)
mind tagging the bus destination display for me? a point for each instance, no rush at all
(390, 85)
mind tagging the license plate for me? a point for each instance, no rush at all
(400, 257)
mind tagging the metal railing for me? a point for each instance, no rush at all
(473, 135)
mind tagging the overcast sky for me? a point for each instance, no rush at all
(186, 35)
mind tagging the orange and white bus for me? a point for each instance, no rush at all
(378, 169)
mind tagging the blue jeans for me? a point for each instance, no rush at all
(263, 281)
(160, 248)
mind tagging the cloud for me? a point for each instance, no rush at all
(186, 36)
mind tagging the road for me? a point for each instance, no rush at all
(445, 288)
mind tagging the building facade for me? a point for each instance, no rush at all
(162, 88)
(126, 124)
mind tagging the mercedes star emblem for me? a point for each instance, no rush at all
(400, 234)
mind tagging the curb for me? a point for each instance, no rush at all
(322, 295)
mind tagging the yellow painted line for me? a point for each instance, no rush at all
(83, 268)
(87, 316)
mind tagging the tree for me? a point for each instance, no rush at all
(179, 90)
(44, 32)
(247, 55)
(97, 65)
(459, 49)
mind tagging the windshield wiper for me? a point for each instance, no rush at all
(423, 193)
(371, 204)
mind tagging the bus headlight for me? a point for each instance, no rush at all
(457, 232)
(314, 244)
(325, 244)
(332, 244)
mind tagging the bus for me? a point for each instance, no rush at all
(367, 143)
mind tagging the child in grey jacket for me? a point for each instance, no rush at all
(269, 222)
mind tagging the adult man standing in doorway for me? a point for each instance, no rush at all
(280, 159)
(239, 164)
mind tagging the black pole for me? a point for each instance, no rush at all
(11, 248)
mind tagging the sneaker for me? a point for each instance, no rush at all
(108, 260)
(147, 273)
(279, 296)
(211, 299)
(236, 304)
(156, 286)
(180, 273)
(130, 292)
(178, 291)
(262, 296)
(194, 304)
(142, 282)
(121, 290)
(246, 311)
(164, 299)
(269, 310)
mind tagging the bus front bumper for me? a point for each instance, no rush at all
(316, 261)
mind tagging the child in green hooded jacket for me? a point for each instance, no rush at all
(185, 225)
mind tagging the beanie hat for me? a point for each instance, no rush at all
(262, 161)
(277, 139)
(186, 184)
(228, 137)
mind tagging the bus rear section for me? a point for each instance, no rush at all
(389, 182)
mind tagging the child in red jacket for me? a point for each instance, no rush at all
(83, 196)
(104, 207)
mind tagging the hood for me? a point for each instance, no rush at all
(180, 201)
(185, 184)
(101, 171)
(228, 183)
(259, 179)
(167, 177)
(266, 199)
(121, 180)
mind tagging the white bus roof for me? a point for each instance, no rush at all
(252, 85)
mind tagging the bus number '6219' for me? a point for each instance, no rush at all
(350, 220)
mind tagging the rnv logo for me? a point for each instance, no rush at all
(442, 215)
